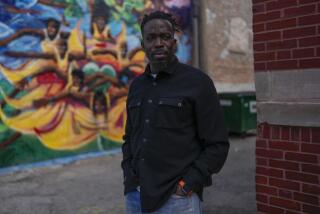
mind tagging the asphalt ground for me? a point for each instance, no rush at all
(94, 186)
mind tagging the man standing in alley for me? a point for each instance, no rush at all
(175, 135)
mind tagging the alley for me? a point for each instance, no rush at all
(94, 186)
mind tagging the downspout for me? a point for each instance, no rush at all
(196, 55)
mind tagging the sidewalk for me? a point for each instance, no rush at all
(94, 186)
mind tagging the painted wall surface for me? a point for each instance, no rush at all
(47, 109)
(226, 44)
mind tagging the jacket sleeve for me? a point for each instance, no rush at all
(212, 134)
(127, 153)
(126, 150)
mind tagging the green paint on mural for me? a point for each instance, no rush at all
(29, 149)
(127, 11)
(73, 9)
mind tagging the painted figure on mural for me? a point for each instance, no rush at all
(75, 90)
(175, 136)
(59, 61)
(77, 110)
(40, 82)
(100, 36)
(48, 36)
(39, 78)
(29, 115)
(100, 31)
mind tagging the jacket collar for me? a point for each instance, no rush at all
(169, 70)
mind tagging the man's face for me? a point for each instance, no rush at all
(101, 23)
(52, 29)
(159, 42)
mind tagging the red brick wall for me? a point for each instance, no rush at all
(286, 34)
(288, 169)
(287, 37)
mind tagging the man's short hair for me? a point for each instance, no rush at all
(55, 21)
(159, 15)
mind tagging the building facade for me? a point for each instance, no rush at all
(225, 43)
(287, 77)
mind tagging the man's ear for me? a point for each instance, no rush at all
(175, 45)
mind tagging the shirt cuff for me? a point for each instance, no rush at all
(193, 179)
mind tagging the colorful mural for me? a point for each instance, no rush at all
(65, 69)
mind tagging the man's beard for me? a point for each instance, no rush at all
(159, 66)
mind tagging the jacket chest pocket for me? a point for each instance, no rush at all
(134, 112)
(171, 113)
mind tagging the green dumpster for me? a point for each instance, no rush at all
(239, 111)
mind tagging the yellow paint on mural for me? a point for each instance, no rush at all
(28, 69)
(27, 121)
(76, 133)
(117, 117)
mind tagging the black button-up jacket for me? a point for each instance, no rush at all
(174, 131)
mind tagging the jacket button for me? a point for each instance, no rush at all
(150, 101)
(154, 83)
(147, 120)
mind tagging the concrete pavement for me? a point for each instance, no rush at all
(94, 186)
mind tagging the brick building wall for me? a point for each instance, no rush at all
(287, 76)
(287, 34)
(287, 172)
